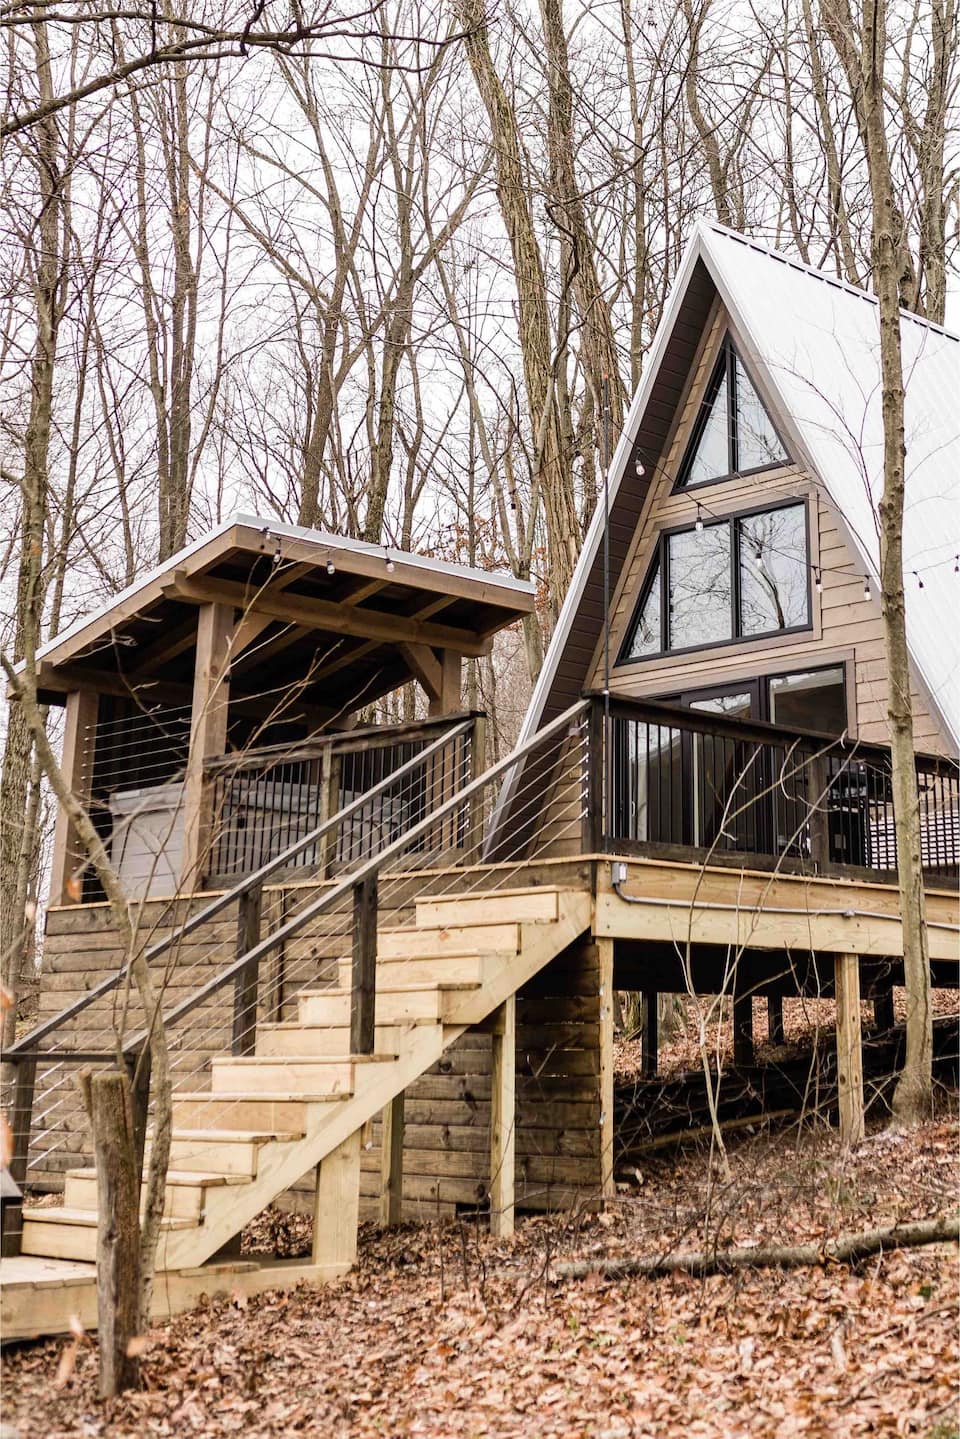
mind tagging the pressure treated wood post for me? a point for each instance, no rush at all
(21, 1123)
(363, 989)
(336, 1210)
(446, 699)
(743, 1029)
(79, 738)
(478, 763)
(503, 1121)
(330, 770)
(849, 1050)
(649, 1038)
(208, 735)
(884, 1015)
(605, 958)
(247, 983)
(391, 1163)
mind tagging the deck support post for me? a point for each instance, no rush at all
(775, 1018)
(650, 1038)
(247, 982)
(743, 1030)
(849, 1048)
(363, 987)
(336, 1209)
(605, 958)
(208, 736)
(391, 1162)
(503, 1120)
(79, 739)
(21, 1123)
(884, 1015)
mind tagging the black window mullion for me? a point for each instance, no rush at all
(665, 636)
(734, 579)
(732, 445)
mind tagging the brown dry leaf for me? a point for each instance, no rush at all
(65, 1368)
(138, 1345)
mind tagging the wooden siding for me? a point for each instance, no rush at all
(846, 628)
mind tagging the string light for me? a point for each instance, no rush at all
(866, 587)
(331, 567)
(918, 580)
(817, 581)
(699, 523)
(390, 565)
(758, 558)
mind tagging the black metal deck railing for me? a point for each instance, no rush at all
(676, 780)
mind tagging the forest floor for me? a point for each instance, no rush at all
(442, 1332)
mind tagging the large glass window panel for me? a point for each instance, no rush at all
(711, 457)
(699, 608)
(757, 441)
(773, 571)
(813, 699)
(647, 637)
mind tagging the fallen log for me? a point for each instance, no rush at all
(845, 1249)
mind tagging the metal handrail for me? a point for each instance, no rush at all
(28, 1042)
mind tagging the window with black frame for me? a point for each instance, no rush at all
(733, 434)
(733, 579)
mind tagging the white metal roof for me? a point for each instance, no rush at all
(815, 342)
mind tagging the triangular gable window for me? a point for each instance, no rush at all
(733, 435)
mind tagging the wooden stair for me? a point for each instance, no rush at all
(302, 1098)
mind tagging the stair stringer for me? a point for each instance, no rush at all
(280, 1166)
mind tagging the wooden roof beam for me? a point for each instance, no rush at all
(323, 614)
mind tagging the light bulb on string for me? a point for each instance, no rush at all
(699, 521)
(918, 579)
(866, 587)
(818, 581)
(390, 565)
(758, 558)
(331, 567)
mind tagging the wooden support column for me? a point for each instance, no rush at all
(79, 737)
(605, 957)
(503, 1120)
(208, 735)
(336, 1210)
(650, 1039)
(330, 768)
(391, 1163)
(447, 700)
(884, 1015)
(849, 1048)
(743, 1029)
(775, 1018)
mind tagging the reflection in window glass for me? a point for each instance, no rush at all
(711, 459)
(811, 700)
(773, 571)
(646, 638)
(738, 706)
(757, 440)
(699, 611)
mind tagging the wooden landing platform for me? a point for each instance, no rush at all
(43, 1297)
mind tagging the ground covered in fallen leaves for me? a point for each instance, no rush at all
(442, 1332)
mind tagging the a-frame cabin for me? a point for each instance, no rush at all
(389, 974)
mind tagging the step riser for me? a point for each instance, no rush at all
(334, 1010)
(488, 909)
(262, 1115)
(300, 1040)
(60, 1241)
(213, 1157)
(229, 1077)
(442, 941)
(180, 1201)
(390, 972)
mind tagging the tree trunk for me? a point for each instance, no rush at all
(864, 66)
(108, 1102)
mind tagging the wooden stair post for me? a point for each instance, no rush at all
(391, 1163)
(605, 956)
(503, 1120)
(849, 1050)
(336, 1209)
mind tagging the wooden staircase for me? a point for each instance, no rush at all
(302, 1099)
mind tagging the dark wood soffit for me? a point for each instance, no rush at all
(574, 661)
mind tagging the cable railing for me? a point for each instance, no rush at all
(234, 967)
(680, 780)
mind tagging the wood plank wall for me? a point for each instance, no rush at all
(847, 628)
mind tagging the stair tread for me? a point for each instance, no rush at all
(393, 989)
(200, 1178)
(61, 1214)
(239, 1136)
(326, 1059)
(247, 1096)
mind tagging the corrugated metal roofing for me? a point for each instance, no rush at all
(815, 341)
